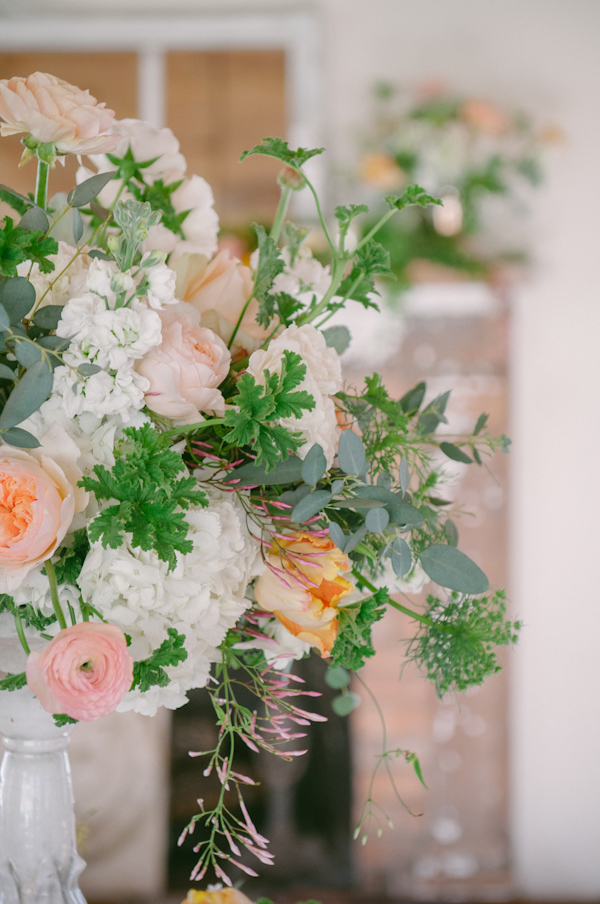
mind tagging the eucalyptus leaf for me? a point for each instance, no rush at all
(481, 423)
(35, 220)
(292, 497)
(77, 226)
(384, 480)
(477, 457)
(456, 454)
(413, 398)
(356, 538)
(451, 531)
(404, 474)
(17, 297)
(337, 677)
(337, 337)
(6, 373)
(16, 436)
(337, 535)
(433, 414)
(314, 465)
(377, 520)
(337, 486)
(27, 353)
(351, 453)
(88, 190)
(48, 317)
(401, 557)
(88, 370)
(400, 512)
(345, 703)
(288, 471)
(29, 394)
(310, 506)
(449, 567)
(55, 343)
(101, 255)
(4, 318)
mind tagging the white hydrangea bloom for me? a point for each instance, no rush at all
(201, 598)
(67, 279)
(322, 380)
(304, 278)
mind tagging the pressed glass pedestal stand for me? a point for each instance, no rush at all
(39, 863)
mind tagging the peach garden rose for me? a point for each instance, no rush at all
(85, 671)
(53, 111)
(303, 585)
(186, 370)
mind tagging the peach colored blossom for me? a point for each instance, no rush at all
(216, 896)
(483, 115)
(303, 585)
(219, 290)
(85, 671)
(52, 110)
(186, 369)
(38, 499)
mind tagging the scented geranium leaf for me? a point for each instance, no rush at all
(61, 719)
(151, 672)
(345, 215)
(294, 236)
(149, 495)
(39, 249)
(413, 195)
(69, 566)
(280, 150)
(14, 200)
(353, 643)
(287, 306)
(13, 682)
(13, 242)
(270, 264)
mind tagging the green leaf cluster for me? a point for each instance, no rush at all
(258, 407)
(280, 150)
(150, 672)
(18, 245)
(270, 264)
(457, 648)
(353, 644)
(68, 567)
(150, 496)
(29, 616)
(13, 681)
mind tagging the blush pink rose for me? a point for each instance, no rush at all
(52, 110)
(186, 370)
(85, 671)
(219, 291)
(38, 499)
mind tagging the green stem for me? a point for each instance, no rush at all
(41, 184)
(334, 250)
(187, 428)
(411, 612)
(375, 229)
(239, 320)
(20, 631)
(339, 265)
(284, 201)
(54, 594)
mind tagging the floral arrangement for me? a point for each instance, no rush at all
(470, 152)
(191, 496)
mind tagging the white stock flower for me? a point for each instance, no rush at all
(66, 280)
(161, 285)
(120, 394)
(106, 280)
(322, 380)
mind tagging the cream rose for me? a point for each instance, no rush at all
(51, 110)
(85, 671)
(219, 290)
(185, 371)
(38, 500)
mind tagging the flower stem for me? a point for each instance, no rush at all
(284, 201)
(54, 594)
(20, 631)
(41, 184)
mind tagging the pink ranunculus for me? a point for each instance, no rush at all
(186, 370)
(52, 110)
(219, 290)
(38, 499)
(84, 672)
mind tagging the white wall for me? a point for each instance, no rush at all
(543, 55)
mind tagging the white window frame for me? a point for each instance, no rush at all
(297, 33)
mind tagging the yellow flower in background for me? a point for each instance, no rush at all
(379, 169)
(303, 585)
(216, 896)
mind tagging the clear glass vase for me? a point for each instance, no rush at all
(39, 863)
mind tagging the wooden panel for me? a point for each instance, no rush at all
(220, 104)
(110, 77)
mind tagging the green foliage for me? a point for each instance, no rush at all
(62, 719)
(294, 235)
(270, 264)
(150, 672)
(371, 260)
(13, 681)
(69, 566)
(457, 650)
(353, 642)
(159, 196)
(280, 150)
(18, 245)
(345, 215)
(150, 496)
(28, 615)
(412, 196)
(258, 408)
